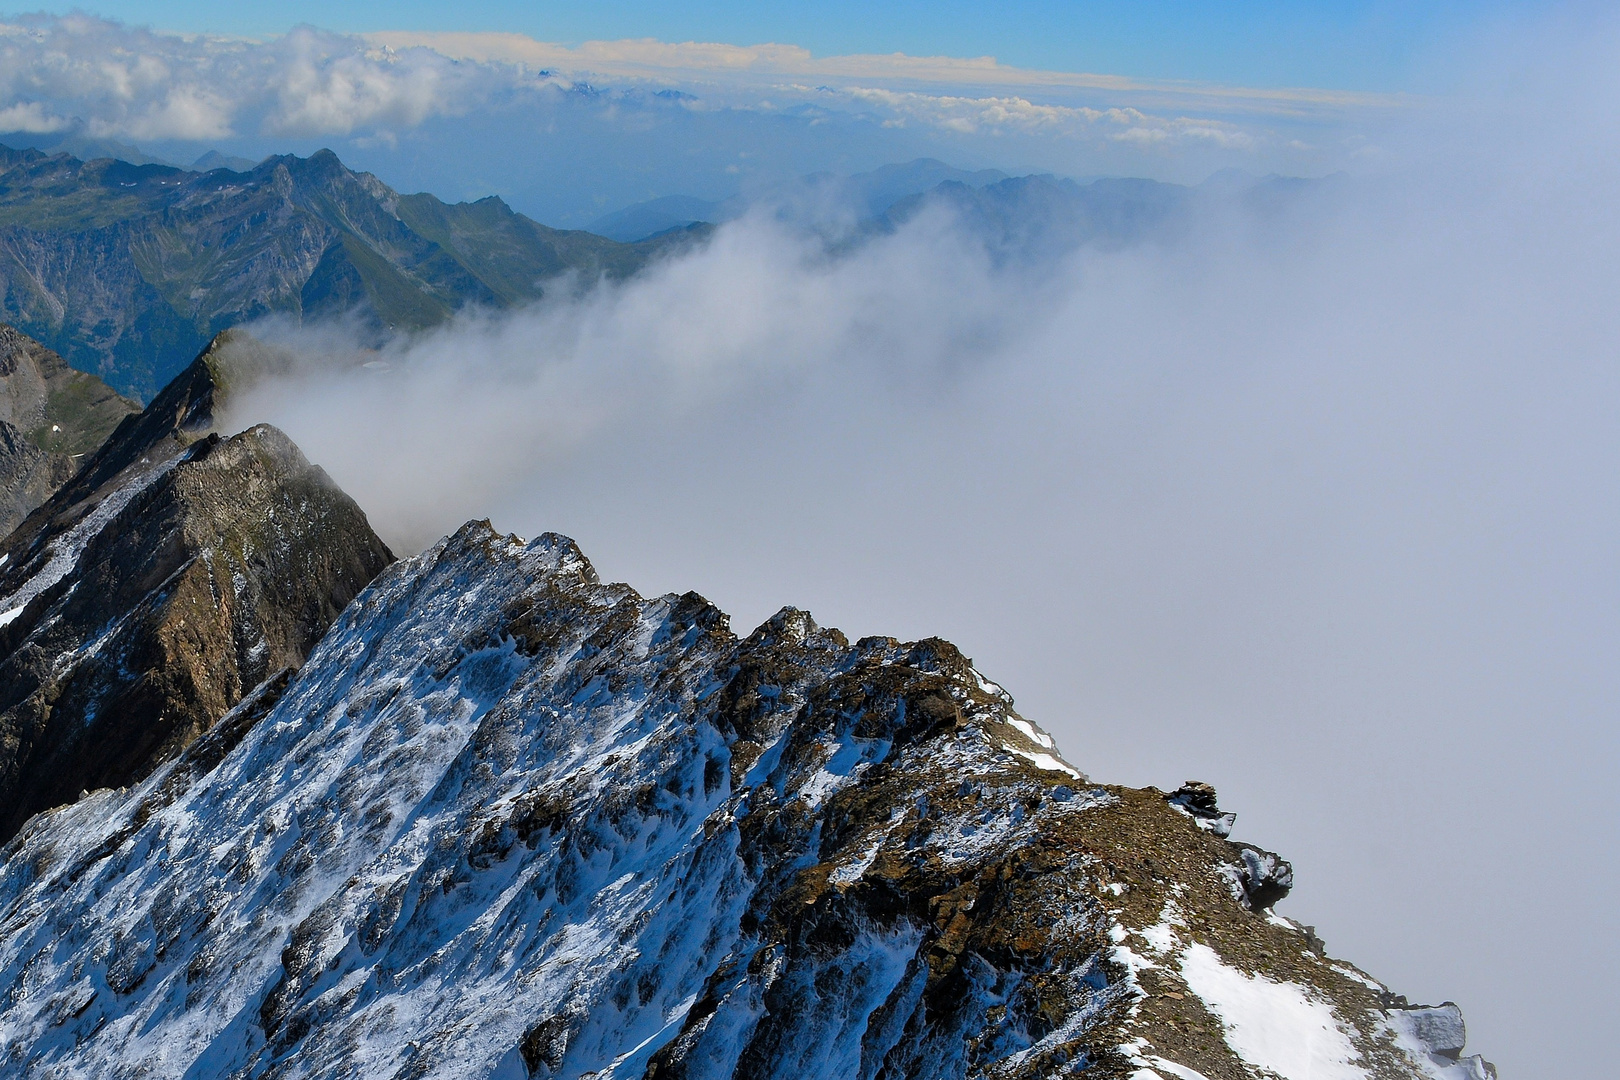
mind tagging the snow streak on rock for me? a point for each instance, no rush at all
(508, 821)
(511, 821)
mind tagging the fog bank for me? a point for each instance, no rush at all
(1316, 506)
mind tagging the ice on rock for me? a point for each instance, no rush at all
(507, 820)
(62, 553)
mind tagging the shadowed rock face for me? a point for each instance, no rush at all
(50, 417)
(510, 821)
(174, 574)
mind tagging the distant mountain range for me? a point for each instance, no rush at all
(128, 270)
(866, 195)
(1018, 219)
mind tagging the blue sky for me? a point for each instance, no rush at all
(572, 110)
(570, 113)
(1343, 44)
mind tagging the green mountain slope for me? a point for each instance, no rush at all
(51, 417)
(128, 270)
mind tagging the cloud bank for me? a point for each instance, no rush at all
(1315, 506)
(548, 125)
(125, 82)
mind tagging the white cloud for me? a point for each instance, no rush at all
(120, 81)
(32, 117)
(123, 82)
(334, 85)
(184, 112)
(649, 58)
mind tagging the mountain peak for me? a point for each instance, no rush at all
(143, 600)
(303, 236)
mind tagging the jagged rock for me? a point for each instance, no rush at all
(509, 821)
(1439, 1027)
(1260, 878)
(1197, 800)
(1439, 1032)
(140, 603)
(50, 417)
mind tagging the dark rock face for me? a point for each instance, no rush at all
(1197, 801)
(144, 600)
(1262, 877)
(50, 417)
(130, 269)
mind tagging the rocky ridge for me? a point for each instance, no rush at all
(128, 269)
(174, 573)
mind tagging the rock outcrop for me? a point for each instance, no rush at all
(173, 574)
(510, 821)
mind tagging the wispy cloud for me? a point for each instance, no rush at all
(652, 59)
(118, 81)
(972, 115)
(32, 117)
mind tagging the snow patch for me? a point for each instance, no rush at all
(1276, 1026)
(851, 872)
(1161, 1066)
(65, 550)
(1355, 976)
(1031, 732)
(1043, 761)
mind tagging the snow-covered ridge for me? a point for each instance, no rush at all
(511, 821)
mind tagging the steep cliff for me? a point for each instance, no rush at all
(173, 574)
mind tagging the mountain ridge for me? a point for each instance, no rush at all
(568, 831)
(147, 596)
(128, 270)
(478, 813)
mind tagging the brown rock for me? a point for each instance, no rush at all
(196, 567)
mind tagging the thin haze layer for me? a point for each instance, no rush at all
(1317, 506)
(568, 133)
